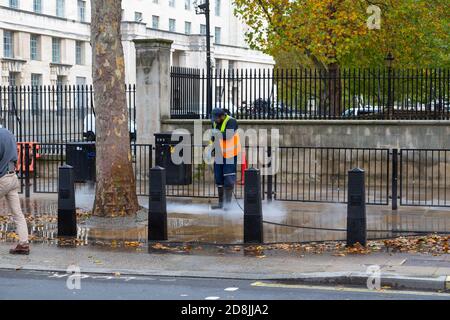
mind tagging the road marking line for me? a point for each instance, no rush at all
(299, 286)
(57, 275)
(212, 298)
(231, 289)
(126, 279)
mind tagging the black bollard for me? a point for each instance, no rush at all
(157, 208)
(253, 218)
(67, 216)
(356, 208)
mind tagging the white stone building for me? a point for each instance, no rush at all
(47, 41)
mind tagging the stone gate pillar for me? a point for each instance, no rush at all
(152, 86)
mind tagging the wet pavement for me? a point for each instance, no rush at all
(192, 221)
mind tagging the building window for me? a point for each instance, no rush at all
(217, 8)
(137, 16)
(60, 82)
(56, 50)
(81, 94)
(187, 27)
(82, 10)
(12, 79)
(202, 29)
(172, 3)
(80, 81)
(79, 52)
(172, 25)
(8, 44)
(36, 79)
(60, 4)
(36, 82)
(14, 4)
(218, 63)
(217, 38)
(37, 6)
(155, 22)
(12, 98)
(34, 47)
(187, 4)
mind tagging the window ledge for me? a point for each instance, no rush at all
(13, 59)
(58, 64)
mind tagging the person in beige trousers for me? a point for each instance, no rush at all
(10, 186)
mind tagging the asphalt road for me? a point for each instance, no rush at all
(53, 286)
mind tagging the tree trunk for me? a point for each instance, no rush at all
(334, 90)
(330, 104)
(322, 71)
(115, 187)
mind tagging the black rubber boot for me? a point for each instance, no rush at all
(228, 196)
(220, 204)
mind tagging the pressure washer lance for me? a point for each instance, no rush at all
(235, 198)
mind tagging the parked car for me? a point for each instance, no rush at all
(361, 111)
(200, 110)
(89, 128)
(434, 105)
(264, 108)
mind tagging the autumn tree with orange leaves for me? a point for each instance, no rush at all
(329, 34)
(416, 32)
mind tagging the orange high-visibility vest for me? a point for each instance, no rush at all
(231, 147)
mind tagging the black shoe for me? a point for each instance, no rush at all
(220, 204)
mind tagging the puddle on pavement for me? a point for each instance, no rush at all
(195, 223)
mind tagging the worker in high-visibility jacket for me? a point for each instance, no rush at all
(227, 147)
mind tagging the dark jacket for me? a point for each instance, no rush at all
(8, 150)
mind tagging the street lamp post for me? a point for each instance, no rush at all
(389, 60)
(203, 8)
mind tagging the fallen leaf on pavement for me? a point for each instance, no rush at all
(339, 254)
(132, 244)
